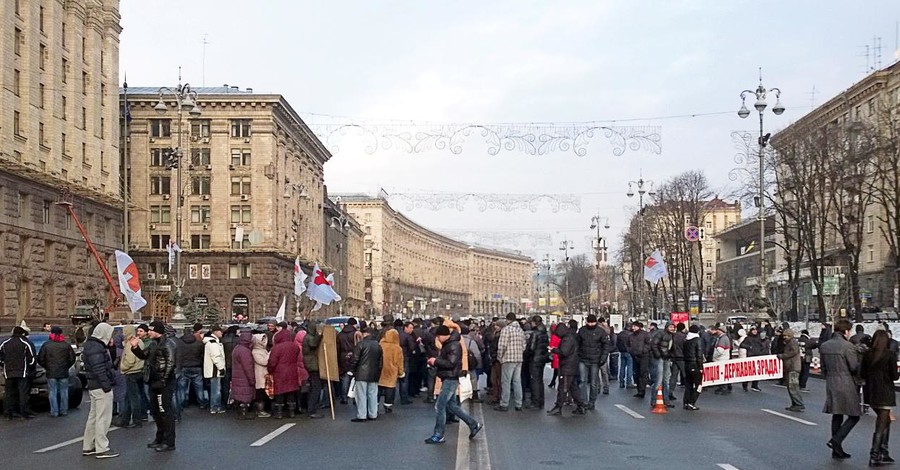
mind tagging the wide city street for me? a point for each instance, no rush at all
(739, 431)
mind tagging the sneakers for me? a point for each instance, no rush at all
(435, 440)
(691, 407)
(477, 429)
(796, 409)
(755, 389)
(109, 454)
(88, 453)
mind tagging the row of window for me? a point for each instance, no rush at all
(200, 214)
(201, 157)
(204, 271)
(200, 185)
(199, 128)
(159, 241)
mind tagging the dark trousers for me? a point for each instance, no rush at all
(641, 371)
(403, 384)
(804, 373)
(537, 383)
(840, 428)
(225, 387)
(677, 374)
(567, 387)
(693, 378)
(315, 392)
(15, 397)
(431, 375)
(134, 410)
(161, 402)
(389, 394)
(495, 382)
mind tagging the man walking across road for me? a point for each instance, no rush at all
(639, 346)
(840, 367)
(98, 368)
(448, 367)
(510, 353)
(790, 356)
(593, 348)
(159, 371)
(56, 357)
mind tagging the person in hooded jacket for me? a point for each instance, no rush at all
(260, 353)
(752, 346)
(677, 359)
(311, 361)
(693, 365)
(243, 375)
(568, 370)
(214, 367)
(57, 357)
(391, 367)
(17, 356)
(283, 367)
(98, 368)
(790, 355)
(539, 345)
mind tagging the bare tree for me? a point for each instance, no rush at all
(573, 280)
(886, 187)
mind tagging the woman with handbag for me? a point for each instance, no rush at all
(879, 371)
(260, 363)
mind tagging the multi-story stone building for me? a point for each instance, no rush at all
(59, 141)
(720, 215)
(737, 264)
(343, 257)
(251, 200)
(417, 272)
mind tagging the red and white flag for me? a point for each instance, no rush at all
(320, 289)
(655, 268)
(129, 283)
(299, 279)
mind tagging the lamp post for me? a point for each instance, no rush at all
(601, 249)
(185, 98)
(643, 187)
(565, 246)
(760, 105)
(546, 262)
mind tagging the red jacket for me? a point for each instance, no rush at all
(283, 363)
(554, 343)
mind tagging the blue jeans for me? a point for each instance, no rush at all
(215, 393)
(590, 381)
(626, 369)
(190, 376)
(447, 401)
(366, 400)
(134, 410)
(662, 376)
(59, 396)
(654, 372)
(511, 381)
(345, 386)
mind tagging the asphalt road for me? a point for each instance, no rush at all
(730, 432)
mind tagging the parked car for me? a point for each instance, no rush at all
(39, 390)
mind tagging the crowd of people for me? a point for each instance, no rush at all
(274, 370)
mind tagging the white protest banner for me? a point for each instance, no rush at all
(742, 370)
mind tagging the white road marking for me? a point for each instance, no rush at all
(726, 466)
(272, 435)
(474, 453)
(64, 444)
(632, 413)
(801, 421)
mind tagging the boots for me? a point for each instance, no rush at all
(875, 454)
(278, 411)
(875, 459)
(242, 411)
(261, 410)
(579, 410)
(885, 456)
(555, 411)
(291, 410)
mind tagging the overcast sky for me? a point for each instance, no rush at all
(520, 61)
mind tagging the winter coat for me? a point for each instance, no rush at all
(879, 374)
(243, 375)
(593, 344)
(392, 359)
(56, 357)
(472, 345)
(678, 345)
(807, 345)
(311, 349)
(131, 364)
(98, 365)
(693, 351)
(159, 361)
(17, 356)
(790, 355)
(622, 340)
(539, 343)
(283, 363)
(567, 351)
(553, 344)
(188, 352)
(213, 358)
(511, 345)
(260, 359)
(366, 361)
(639, 343)
(346, 342)
(302, 373)
(229, 342)
(753, 345)
(664, 345)
(408, 344)
(721, 348)
(449, 362)
(840, 366)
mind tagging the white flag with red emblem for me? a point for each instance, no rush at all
(320, 289)
(655, 268)
(129, 283)
(299, 279)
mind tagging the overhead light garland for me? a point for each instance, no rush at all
(501, 239)
(487, 201)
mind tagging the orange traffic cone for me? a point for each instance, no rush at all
(660, 407)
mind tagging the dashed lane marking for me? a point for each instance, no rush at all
(632, 413)
(64, 444)
(727, 466)
(473, 454)
(801, 421)
(272, 435)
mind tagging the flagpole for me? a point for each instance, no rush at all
(328, 381)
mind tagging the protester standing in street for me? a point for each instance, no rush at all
(311, 362)
(593, 347)
(365, 368)
(567, 351)
(159, 359)
(98, 368)
(840, 367)
(639, 347)
(510, 353)
(391, 367)
(752, 346)
(626, 364)
(56, 357)
(878, 370)
(214, 367)
(243, 377)
(18, 358)
(790, 356)
(693, 364)
(282, 366)
(539, 359)
(721, 352)
(807, 345)
(448, 366)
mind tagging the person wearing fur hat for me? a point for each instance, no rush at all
(98, 368)
(790, 356)
(17, 358)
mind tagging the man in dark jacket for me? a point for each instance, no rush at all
(639, 347)
(428, 340)
(311, 361)
(365, 367)
(159, 373)
(229, 341)
(861, 337)
(540, 356)
(677, 359)
(346, 342)
(693, 365)
(17, 357)
(410, 351)
(569, 363)
(807, 345)
(626, 363)
(189, 370)
(98, 368)
(448, 366)
(790, 356)
(57, 357)
(663, 347)
(593, 349)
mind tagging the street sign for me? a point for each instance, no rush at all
(692, 233)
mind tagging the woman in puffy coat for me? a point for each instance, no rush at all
(302, 373)
(391, 367)
(879, 370)
(243, 375)
(554, 342)
(260, 365)
(283, 367)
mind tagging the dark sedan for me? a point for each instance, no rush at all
(39, 390)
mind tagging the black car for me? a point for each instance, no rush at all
(39, 389)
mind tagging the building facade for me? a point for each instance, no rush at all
(720, 216)
(59, 142)
(737, 264)
(251, 200)
(343, 257)
(413, 271)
